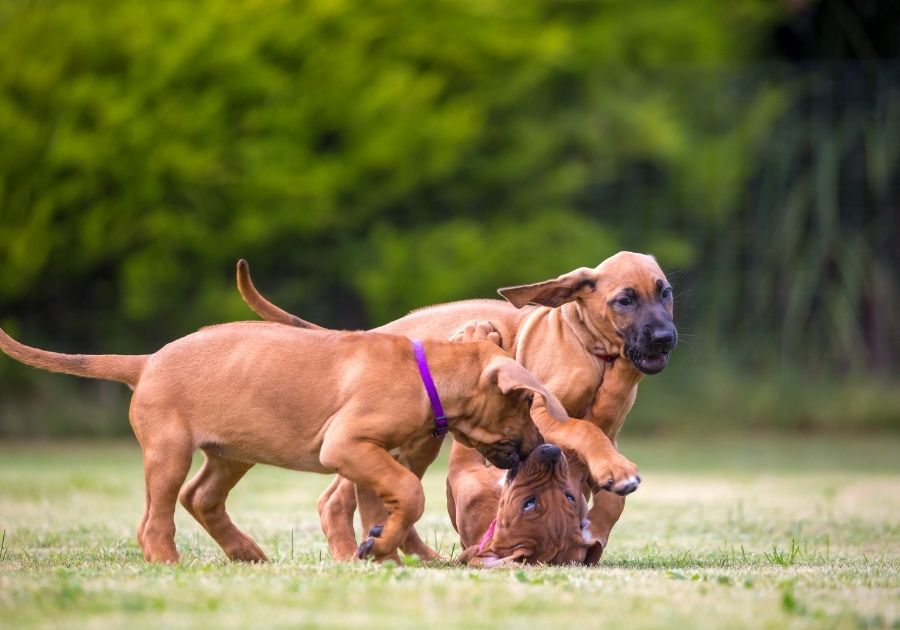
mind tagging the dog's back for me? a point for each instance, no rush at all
(228, 382)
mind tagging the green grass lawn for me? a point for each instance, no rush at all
(727, 532)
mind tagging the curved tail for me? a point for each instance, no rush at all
(263, 307)
(125, 368)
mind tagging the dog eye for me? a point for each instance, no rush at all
(570, 497)
(666, 293)
(529, 504)
(624, 301)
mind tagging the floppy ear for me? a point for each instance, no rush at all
(512, 377)
(555, 292)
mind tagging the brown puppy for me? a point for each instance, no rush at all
(254, 392)
(590, 335)
(532, 513)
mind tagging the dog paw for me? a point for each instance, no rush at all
(620, 477)
(628, 486)
(365, 548)
(477, 331)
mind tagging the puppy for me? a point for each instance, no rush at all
(327, 402)
(531, 513)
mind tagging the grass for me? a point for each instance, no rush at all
(799, 532)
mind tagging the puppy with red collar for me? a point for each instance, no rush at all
(532, 513)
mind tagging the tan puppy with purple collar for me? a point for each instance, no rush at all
(317, 401)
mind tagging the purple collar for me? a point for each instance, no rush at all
(440, 418)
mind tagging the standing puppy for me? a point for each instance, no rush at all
(327, 402)
(589, 335)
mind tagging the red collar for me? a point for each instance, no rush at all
(608, 358)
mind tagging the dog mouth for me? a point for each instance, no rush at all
(648, 363)
(503, 455)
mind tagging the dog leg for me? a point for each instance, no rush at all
(204, 497)
(413, 544)
(609, 469)
(605, 511)
(165, 467)
(398, 489)
(372, 512)
(336, 507)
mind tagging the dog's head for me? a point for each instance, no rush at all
(625, 301)
(499, 421)
(539, 516)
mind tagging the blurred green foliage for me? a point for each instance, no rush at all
(369, 158)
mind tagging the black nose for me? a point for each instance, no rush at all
(550, 453)
(662, 339)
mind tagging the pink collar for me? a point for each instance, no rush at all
(487, 535)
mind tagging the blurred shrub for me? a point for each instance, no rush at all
(147, 147)
(368, 158)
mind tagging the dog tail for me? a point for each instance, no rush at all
(263, 307)
(125, 368)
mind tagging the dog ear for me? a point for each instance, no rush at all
(554, 292)
(512, 377)
(488, 559)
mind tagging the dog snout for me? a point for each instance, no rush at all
(550, 453)
(662, 339)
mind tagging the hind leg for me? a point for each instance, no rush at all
(166, 464)
(204, 497)
(336, 507)
(143, 523)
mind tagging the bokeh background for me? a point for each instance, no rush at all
(370, 158)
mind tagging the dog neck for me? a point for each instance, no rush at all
(592, 339)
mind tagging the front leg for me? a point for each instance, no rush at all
(615, 397)
(417, 456)
(610, 407)
(418, 463)
(369, 465)
(604, 513)
(608, 469)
